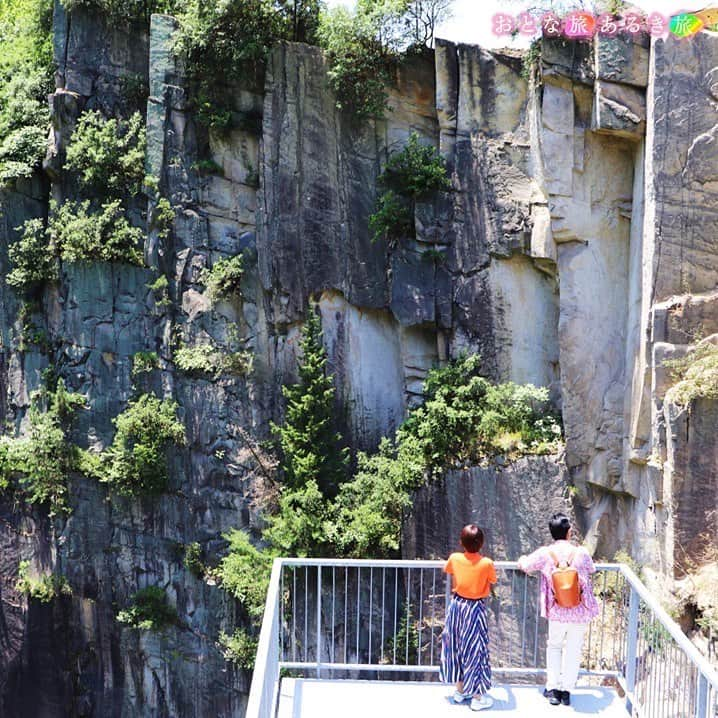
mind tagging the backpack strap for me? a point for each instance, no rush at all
(557, 562)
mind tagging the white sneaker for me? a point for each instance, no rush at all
(460, 697)
(481, 704)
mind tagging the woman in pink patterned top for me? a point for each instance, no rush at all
(566, 626)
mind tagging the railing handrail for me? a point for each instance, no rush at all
(268, 657)
(671, 627)
(265, 645)
(405, 563)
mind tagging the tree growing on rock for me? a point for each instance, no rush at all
(310, 447)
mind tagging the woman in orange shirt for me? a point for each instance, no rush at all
(465, 640)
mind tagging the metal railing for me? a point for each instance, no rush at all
(341, 618)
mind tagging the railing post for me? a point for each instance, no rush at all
(631, 646)
(702, 697)
(319, 619)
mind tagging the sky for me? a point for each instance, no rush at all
(471, 21)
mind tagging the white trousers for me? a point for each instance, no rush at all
(563, 654)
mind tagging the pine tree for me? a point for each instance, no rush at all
(310, 448)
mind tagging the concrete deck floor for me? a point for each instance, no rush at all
(312, 698)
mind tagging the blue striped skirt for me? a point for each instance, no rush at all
(465, 646)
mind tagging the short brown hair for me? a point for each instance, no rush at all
(472, 538)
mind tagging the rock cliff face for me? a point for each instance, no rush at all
(575, 251)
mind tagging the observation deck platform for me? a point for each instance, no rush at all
(316, 698)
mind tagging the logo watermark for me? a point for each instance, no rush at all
(581, 25)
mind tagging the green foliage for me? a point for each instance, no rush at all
(369, 508)
(136, 462)
(224, 279)
(105, 235)
(193, 559)
(25, 80)
(108, 155)
(78, 234)
(465, 418)
(32, 263)
(413, 174)
(235, 35)
(364, 45)
(227, 34)
(207, 360)
(23, 127)
(310, 448)
(359, 64)
(149, 611)
(239, 648)
(302, 524)
(144, 362)
(404, 646)
(7, 461)
(392, 219)
(695, 376)
(43, 588)
(162, 217)
(44, 458)
(244, 572)
(531, 59)
(135, 91)
(127, 10)
(417, 171)
(30, 334)
(160, 290)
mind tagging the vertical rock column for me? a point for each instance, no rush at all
(585, 165)
(680, 283)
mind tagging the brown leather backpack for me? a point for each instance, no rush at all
(565, 583)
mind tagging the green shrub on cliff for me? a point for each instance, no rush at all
(393, 218)
(44, 588)
(415, 173)
(144, 363)
(43, 459)
(360, 63)
(25, 81)
(695, 376)
(149, 610)
(108, 155)
(239, 647)
(367, 515)
(364, 46)
(76, 232)
(224, 279)
(244, 573)
(465, 418)
(301, 525)
(83, 234)
(107, 158)
(32, 259)
(225, 39)
(136, 461)
(207, 360)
